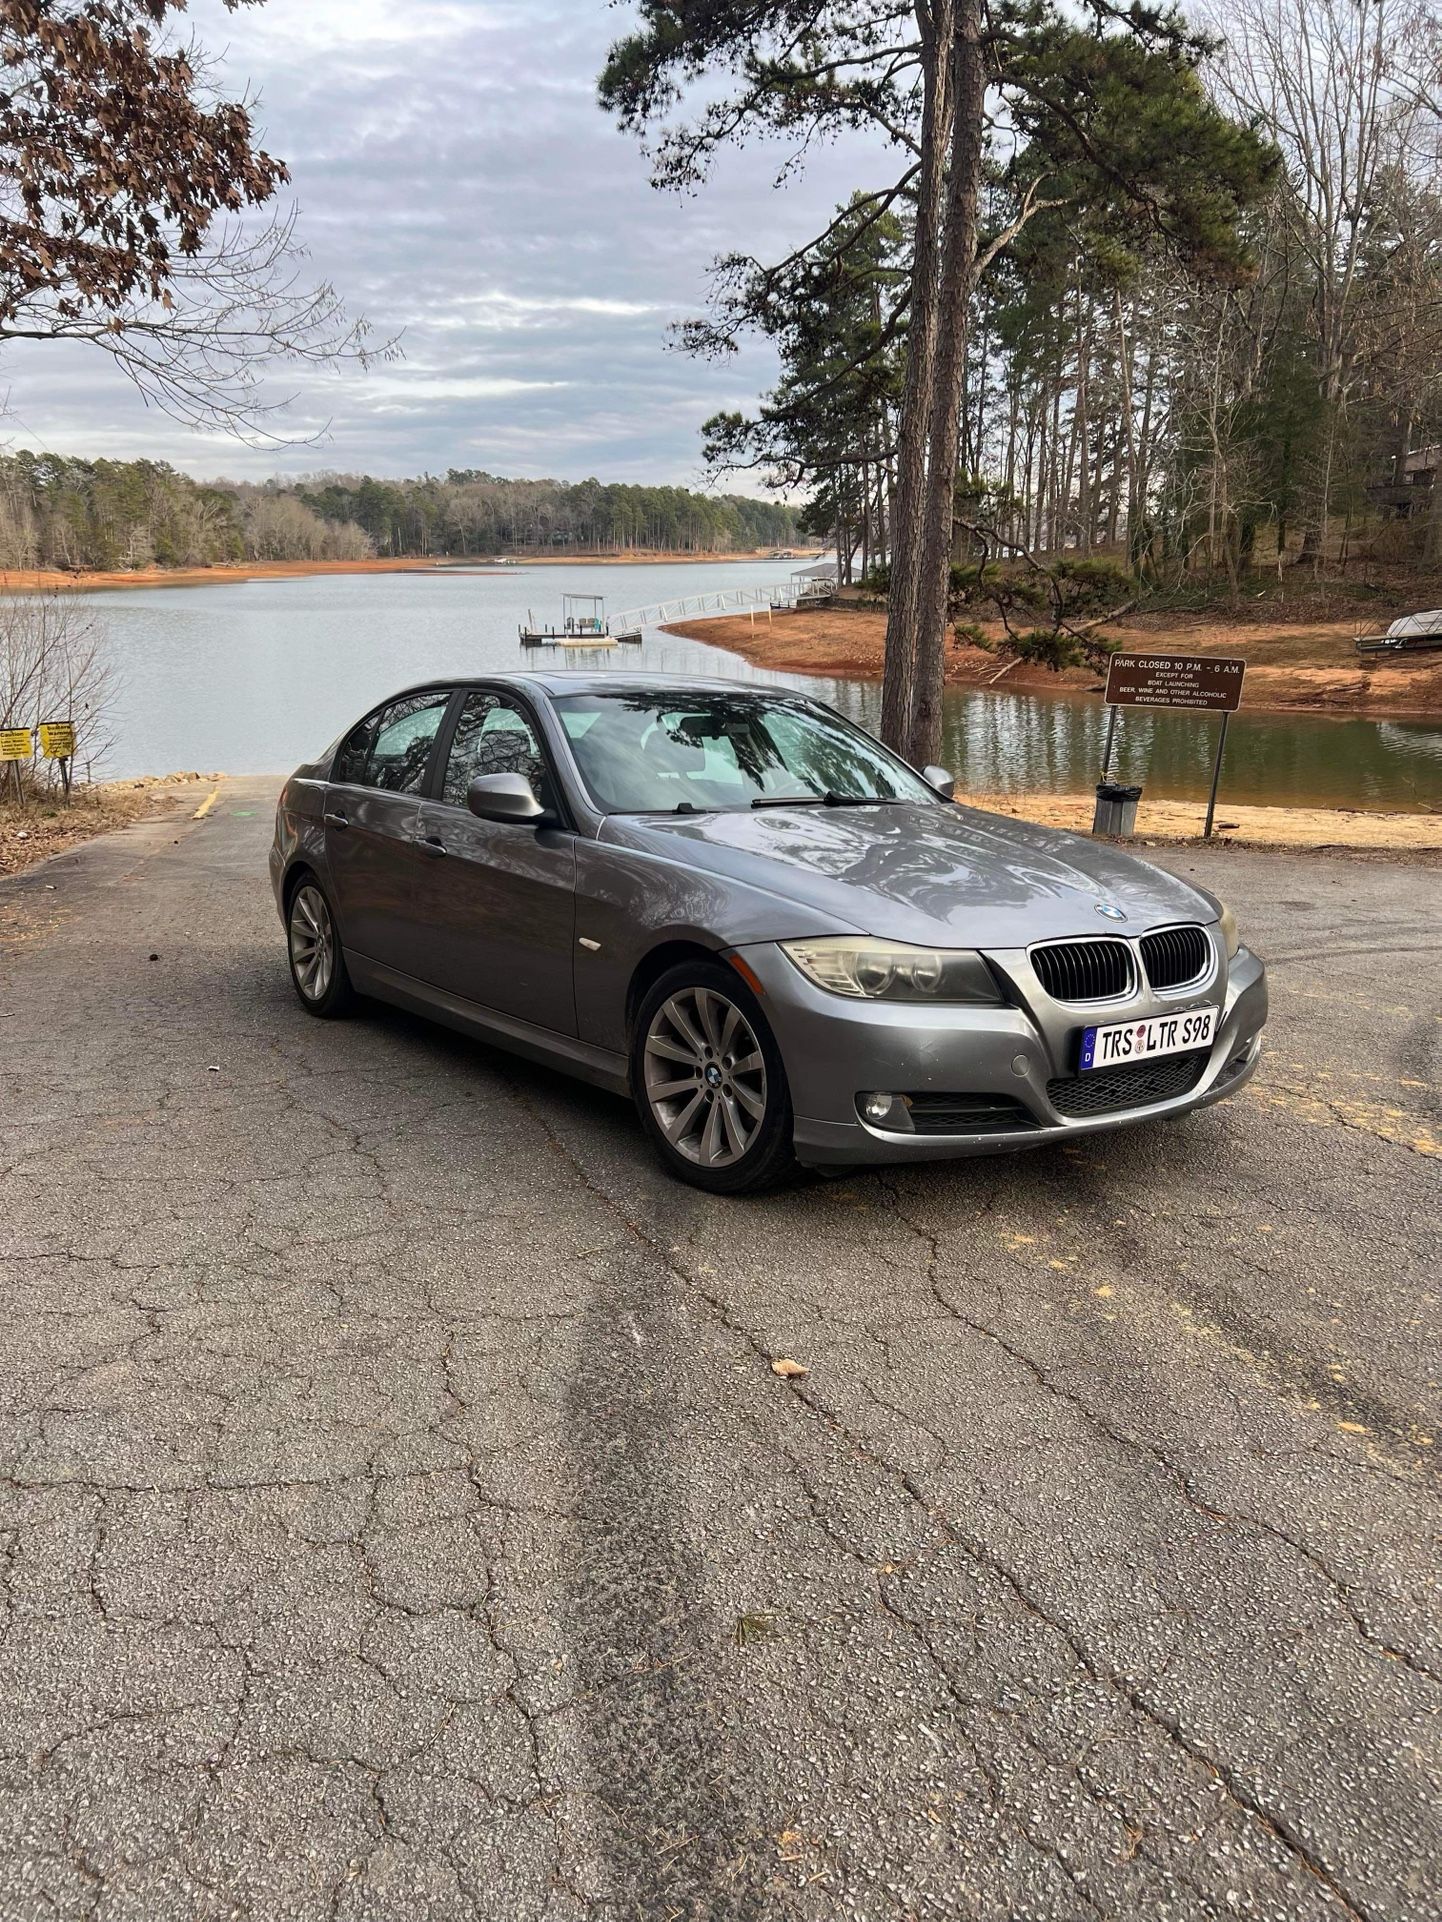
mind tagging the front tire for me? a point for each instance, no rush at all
(709, 1082)
(317, 964)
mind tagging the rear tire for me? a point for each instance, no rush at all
(317, 964)
(709, 1082)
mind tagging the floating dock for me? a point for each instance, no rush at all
(583, 624)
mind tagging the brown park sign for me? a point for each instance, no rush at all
(1211, 683)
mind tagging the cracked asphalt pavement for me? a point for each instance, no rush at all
(400, 1518)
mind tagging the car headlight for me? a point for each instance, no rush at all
(869, 970)
(1228, 923)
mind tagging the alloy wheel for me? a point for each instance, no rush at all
(705, 1077)
(312, 943)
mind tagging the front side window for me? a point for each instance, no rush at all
(493, 737)
(641, 755)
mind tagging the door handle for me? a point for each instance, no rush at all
(432, 844)
(336, 821)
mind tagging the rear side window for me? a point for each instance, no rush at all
(391, 748)
(350, 761)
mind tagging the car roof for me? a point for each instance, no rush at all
(577, 681)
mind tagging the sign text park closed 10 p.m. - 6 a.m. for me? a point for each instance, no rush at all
(1211, 683)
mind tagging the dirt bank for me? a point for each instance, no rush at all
(43, 827)
(1307, 667)
(30, 580)
(1168, 821)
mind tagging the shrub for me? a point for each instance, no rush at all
(1054, 648)
(968, 634)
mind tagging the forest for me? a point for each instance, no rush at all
(69, 515)
(1198, 397)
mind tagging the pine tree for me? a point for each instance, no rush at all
(1097, 108)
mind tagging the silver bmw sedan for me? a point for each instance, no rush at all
(782, 942)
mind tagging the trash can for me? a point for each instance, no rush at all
(1116, 813)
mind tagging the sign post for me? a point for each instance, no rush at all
(16, 746)
(1216, 777)
(57, 743)
(1205, 683)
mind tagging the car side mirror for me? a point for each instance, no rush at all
(944, 783)
(505, 797)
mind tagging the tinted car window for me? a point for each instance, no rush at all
(493, 737)
(401, 745)
(350, 761)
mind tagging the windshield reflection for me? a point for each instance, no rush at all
(705, 752)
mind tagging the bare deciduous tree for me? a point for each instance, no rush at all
(55, 666)
(124, 176)
(1334, 84)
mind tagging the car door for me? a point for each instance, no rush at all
(372, 824)
(499, 898)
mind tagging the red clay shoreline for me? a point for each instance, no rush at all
(1303, 667)
(31, 580)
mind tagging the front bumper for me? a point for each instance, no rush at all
(836, 1048)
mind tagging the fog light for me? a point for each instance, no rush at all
(880, 1107)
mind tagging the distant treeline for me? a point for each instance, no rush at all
(72, 514)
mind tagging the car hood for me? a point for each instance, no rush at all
(938, 876)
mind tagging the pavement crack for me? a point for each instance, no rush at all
(1246, 1801)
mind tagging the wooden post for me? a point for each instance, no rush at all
(1216, 778)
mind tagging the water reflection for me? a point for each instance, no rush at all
(257, 676)
(1054, 743)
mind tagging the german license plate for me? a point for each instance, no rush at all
(1141, 1040)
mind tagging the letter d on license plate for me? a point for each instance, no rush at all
(1141, 1040)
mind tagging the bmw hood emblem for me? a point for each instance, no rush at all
(1110, 911)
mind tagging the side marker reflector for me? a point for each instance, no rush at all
(747, 973)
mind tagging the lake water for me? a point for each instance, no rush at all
(255, 676)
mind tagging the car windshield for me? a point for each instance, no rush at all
(694, 753)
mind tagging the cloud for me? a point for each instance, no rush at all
(459, 185)
(403, 385)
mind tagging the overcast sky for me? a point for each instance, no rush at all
(457, 181)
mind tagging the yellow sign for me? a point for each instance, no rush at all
(57, 740)
(15, 744)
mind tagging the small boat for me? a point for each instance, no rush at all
(583, 624)
(1412, 634)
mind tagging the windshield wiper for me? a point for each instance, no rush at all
(830, 799)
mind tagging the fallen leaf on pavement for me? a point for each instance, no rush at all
(754, 1628)
(789, 1370)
